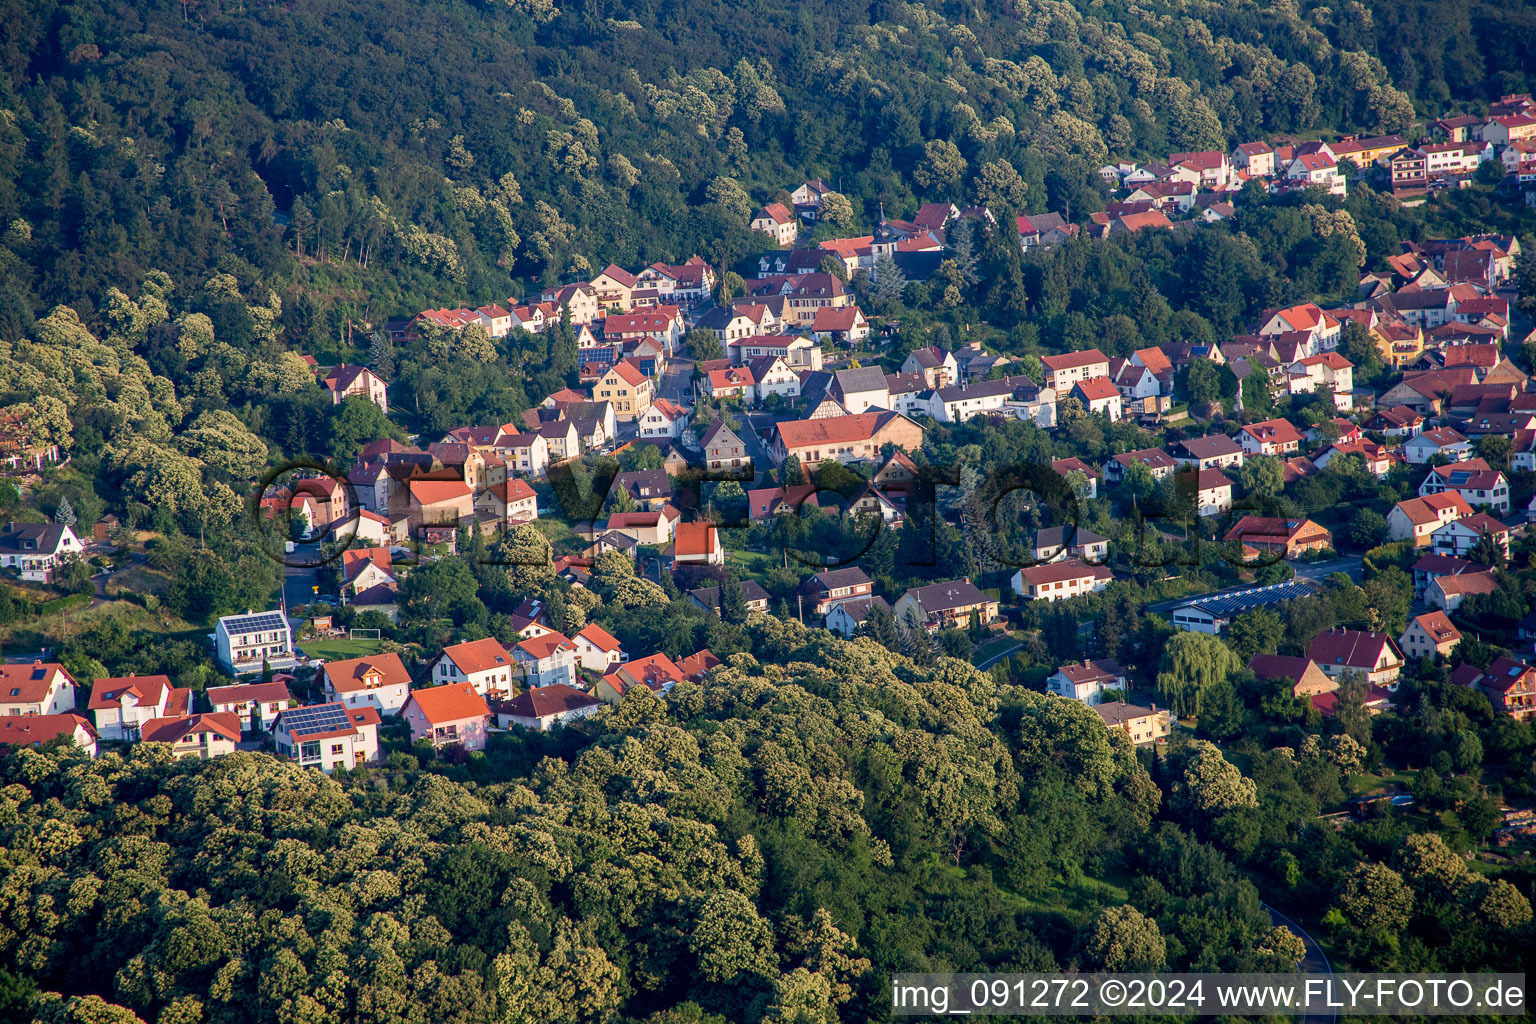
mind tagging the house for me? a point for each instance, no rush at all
(511, 502)
(629, 390)
(1430, 566)
(31, 730)
(650, 488)
(861, 390)
(725, 452)
(698, 664)
(1398, 421)
(450, 714)
(1373, 656)
(697, 544)
(362, 568)
(1055, 543)
(831, 587)
(1459, 537)
(644, 527)
(484, 664)
(753, 596)
(664, 418)
(328, 736)
(1271, 437)
(257, 705)
(1290, 537)
(379, 681)
(1447, 592)
(1304, 675)
(771, 375)
(545, 658)
(39, 688)
(961, 402)
(525, 453)
(732, 382)
(1417, 519)
(544, 707)
(1086, 682)
(855, 438)
(1474, 480)
(1378, 460)
(732, 323)
(247, 643)
(1441, 441)
(1429, 635)
(1256, 158)
(937, 366)
(776, 221)
(1157, 462)
(840, 324)
(1063, 371)
(656, 672)
(1143, 725)
(802, 354)
(945, 605)
(764, 503)
(1324, 372)
(1073, 464)
(1099, 395)
(1510, 687)
(35, 550)
(1060, 581)
(846, 617)
(204, 736)
(327, 500)
(1046, 230)
(614, 288)
(807, 197)
(1213, 492)
(342, 381)
(121, 706)
(596, 649)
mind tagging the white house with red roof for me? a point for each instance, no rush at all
(614, 287)
(544, 707)
(1087, 681)
(1373, 655)
(31, 730)
(257, 705)
(778, 222)
(546, 659)
(121, 705)
(448, 715)
(1417, 519)
(1429, 635)
(203, 736)
(484, 664)
(1271, 437)
(1211, 169)
(1477, 482)
(328, 736)
(1063, 371)
(1099, 395)
(344, 381)
(657, 672)
(664, 419)
(1459, 537)
(597, 650)
(1322, 331)
(379, 681)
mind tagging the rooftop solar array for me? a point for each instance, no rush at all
(261, 623)
(1224, 605)
(317, 718)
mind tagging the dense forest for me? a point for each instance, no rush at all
(376, 160)
(768, 845)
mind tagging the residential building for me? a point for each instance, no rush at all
(1271, 437)
(121, 705)
(664, 419)
(204, 736)
(1447, 592)
(1060, 581)
(1086, 682)
(328, 736)
(1056, 543)
(1290, 537)
(35, 550)
(596, 649)
(1063, 371)
(1444, 442)
(831, 587)
(512, 501)
(1428, 567)
(544, 659)
(776, 221)
(945, 605)
(38, 688)
(1304, 675)
(862, 389)
(937, 366)
(450, 714)
(629, 390)
(855, 438)
(254, 641)
(344, 381)
(31, 730)
(656, 672)
(1474, 480)
(1213, 492)
(1099, 395)
(544, 707)
(484, 664)
(753, 597)
(379, 681)
(256, 705)
(1157, 462)
(1417, 519)
(696, 544)
(1459, 537)
(1374, 656)
(725, 452)
(846, 617)
(1510, 687)
(1429, 635)
(731, 382)
(1143, 725)
(961, 402)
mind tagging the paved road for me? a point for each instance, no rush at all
(1314, 962)
(999, 656)
(676, 383)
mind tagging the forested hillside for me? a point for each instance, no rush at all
(451, 146)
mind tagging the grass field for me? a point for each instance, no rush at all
(993, 647)
(338, 648)
(34, 634)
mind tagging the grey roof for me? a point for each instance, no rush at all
(646, 483)
(1214, 446)
(938, 597)
(1056, 536)
(831, 579)
(1228, 605)
(709, 597)
(33, 537)
(858, 608)
(979, 389)
(865, 378)
(1119, 712)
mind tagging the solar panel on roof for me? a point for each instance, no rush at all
(317, 718)
(255, 623)
(1231, 603)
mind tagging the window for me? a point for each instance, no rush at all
(309, 751)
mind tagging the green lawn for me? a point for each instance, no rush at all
(1360, 785)
(992, 647)
(338, 648)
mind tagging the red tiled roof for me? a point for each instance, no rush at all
(598, 637)
(1074, 360)
(478, 655)
(27, 684)
(430, 492)
(695, 539)
(109, 692)
(347, 676)
(172, 730)
(451, 703)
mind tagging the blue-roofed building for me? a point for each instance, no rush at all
(1212, 614)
